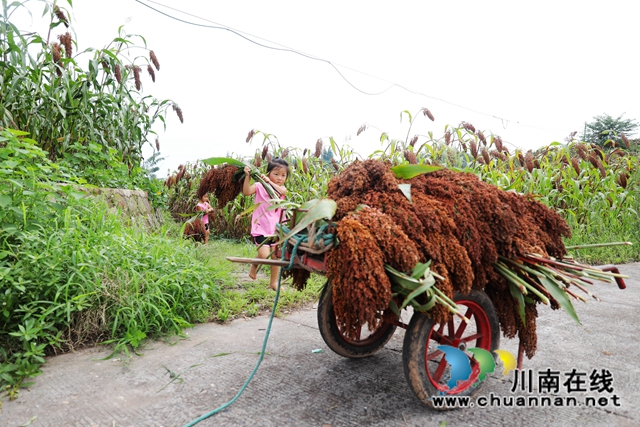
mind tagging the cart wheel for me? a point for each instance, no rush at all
(425, 367)
(369, 341)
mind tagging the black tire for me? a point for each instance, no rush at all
(425, 367)
(336, 341)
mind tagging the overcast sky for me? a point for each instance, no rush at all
(530, 72)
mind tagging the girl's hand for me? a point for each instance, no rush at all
(247, 171)
(266, 179)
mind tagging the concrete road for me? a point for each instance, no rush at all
(296, 387)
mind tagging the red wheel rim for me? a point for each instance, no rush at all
(365, 336)
(456, 333)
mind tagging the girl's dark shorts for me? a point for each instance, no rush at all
(258, 240)
(206, 226)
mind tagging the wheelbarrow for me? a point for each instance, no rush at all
(426, 368)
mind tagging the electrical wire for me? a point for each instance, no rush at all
(283, 48)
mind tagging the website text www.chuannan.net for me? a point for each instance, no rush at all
(493, 400)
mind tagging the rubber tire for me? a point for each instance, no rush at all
(337, 342)
(415, 342)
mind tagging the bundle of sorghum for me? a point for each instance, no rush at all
(224, 182)
(194, 229)
(460, 223)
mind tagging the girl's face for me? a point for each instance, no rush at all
(278, 175)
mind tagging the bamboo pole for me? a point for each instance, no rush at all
(599, 245)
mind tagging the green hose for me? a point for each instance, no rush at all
(264, 347)
(327, 238)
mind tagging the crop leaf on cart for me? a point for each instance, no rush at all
(556, 290)
(410, 287)
(406, 171)
(317, 211)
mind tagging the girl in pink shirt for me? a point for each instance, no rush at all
(263, 221)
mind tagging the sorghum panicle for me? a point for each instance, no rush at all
(154, 60)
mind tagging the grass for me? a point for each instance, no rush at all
(86, 278)
(241, 296)
(604, 228)
(236, 294)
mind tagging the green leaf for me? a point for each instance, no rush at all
(10, 164)
(247, 211)
(18, 132)
(302, 210)
(323, 209)
(420, 269)
(213, 161)
(401, 279)
(5, 201)
(425, 307)
(519, 297)
(334, 148)
(419, 290)
(560, 295)
(406, 171)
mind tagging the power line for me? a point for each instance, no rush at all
(284, 48)
(239, 33)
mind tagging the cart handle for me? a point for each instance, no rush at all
(265, 261)
(613, 269)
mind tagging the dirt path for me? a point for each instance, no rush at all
(296, 387)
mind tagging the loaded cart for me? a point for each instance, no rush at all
(426, 370)
(425, 298)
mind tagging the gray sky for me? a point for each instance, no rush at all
(530, 72)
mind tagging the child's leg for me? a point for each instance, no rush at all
(275, 272)
(263, 252)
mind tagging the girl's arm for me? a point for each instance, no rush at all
(279, 188)
(247, 188)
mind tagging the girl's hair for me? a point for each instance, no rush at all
(277, 162)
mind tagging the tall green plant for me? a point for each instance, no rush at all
(90, 116)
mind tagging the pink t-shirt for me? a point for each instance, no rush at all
(263, 222)
(203, 207)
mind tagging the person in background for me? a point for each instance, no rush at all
(207, 209)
